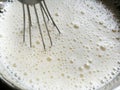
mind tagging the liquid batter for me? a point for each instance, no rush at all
(85, 56)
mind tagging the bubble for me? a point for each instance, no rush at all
(51, 77)
(74, 40)
(99, 56)
(102, 48)
(49, 59)
(14, 65)
(90, 72)
(114, 31)
(76, 86)
(82, 12)
(117, 38)
(71, 62)
(86, 66)
(81, 75)
(37, 42)
(100, 23)
(58, 59)
(68, 77)
(62, 75)
(37, 79)
(112, 73)
(80, 69)
(56, 14)
(30, 81)
(90, 61)
(76, 26)
(25, 73)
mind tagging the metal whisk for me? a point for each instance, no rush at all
(44, 11)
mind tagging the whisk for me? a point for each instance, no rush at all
(45, 14)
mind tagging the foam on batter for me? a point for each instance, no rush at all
(85, 56)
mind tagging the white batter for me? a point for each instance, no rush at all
(84, 57)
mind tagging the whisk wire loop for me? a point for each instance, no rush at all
(45, 14)
(45, 23)
(39, 26)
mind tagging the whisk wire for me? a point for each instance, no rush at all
(23, 22)
(51, 16)
(45, 14)
(45, 23)
(39, 26)
(30, 24)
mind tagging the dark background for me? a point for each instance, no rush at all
(4, 86)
